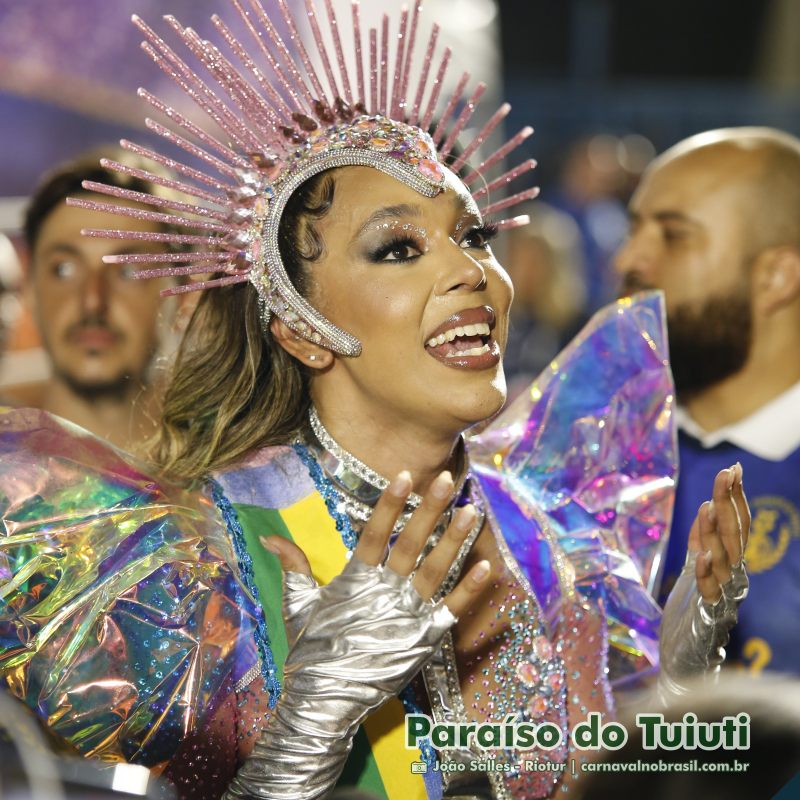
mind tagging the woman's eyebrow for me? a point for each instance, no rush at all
(390, 212)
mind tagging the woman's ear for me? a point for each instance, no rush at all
(308, 353)
(778, 278)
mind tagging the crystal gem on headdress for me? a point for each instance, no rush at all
(283, 120)
(305, 122)
(431, 170)
(263, 160)
(244, 194)
(261, 206)
(404, 143)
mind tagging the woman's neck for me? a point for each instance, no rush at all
(388, 448)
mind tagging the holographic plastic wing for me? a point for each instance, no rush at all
(579, 473)
(122, 617)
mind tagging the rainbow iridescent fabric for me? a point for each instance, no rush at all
(122, 618)
(125, 617)
(580, 474)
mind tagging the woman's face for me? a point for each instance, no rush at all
(414, 279)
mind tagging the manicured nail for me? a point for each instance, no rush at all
(442, 486)
(740, 473)
(465, 517)
(481, 570)
(730, 477)
(268, 543)
(401, 485)
(712, 513)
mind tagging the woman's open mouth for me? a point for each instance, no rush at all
(465, 340)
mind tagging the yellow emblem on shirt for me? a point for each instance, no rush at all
(775, 523)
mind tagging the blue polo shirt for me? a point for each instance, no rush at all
(767, 444)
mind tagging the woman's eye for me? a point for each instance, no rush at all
(404, 250)
(473, 239)
(401, 252)
(479, 237)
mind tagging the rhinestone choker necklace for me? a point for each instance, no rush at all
(360, 486)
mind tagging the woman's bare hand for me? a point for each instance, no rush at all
(373, 543)
(719, 533)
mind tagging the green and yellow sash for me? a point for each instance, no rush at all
(379, 763)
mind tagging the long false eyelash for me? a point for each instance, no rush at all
(395, 242)
(487, 231)
(490, 229)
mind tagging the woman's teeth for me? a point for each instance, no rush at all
(474, 351)
(481, 329)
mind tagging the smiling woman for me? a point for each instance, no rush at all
(321, 396)
(415, 269)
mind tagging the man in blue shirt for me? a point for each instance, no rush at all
(715, 224)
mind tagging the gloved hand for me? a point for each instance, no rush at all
(356, 642)
(702, 606)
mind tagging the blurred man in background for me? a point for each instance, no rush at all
(10, 281)
(545, 262)
(100, 327)
(594, 184)
(715, 224)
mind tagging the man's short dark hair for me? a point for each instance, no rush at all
(67, 178)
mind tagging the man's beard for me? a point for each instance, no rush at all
(113, 389)
(708, 341)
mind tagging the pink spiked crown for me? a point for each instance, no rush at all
(282, 127)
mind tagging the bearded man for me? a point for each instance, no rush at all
(715, 224)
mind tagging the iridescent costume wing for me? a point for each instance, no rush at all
(123, 621)
(580, 471)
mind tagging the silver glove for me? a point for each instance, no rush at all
(353, 644)
(693, 632)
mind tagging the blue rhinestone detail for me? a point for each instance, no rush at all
(268, 668)
(332, 498)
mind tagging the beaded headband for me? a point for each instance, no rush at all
(282, 127)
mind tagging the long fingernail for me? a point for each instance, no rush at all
(441, 487)
(712, 514)
(401, 485)
(465, 517)
(730, 477)
(740, 474)
(268, 543)
(481, 570)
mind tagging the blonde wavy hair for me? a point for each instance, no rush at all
(233, 389)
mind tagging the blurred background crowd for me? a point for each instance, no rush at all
(606, 84)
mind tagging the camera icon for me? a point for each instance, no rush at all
(419, 767)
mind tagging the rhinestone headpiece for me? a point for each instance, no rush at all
(282, 127)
